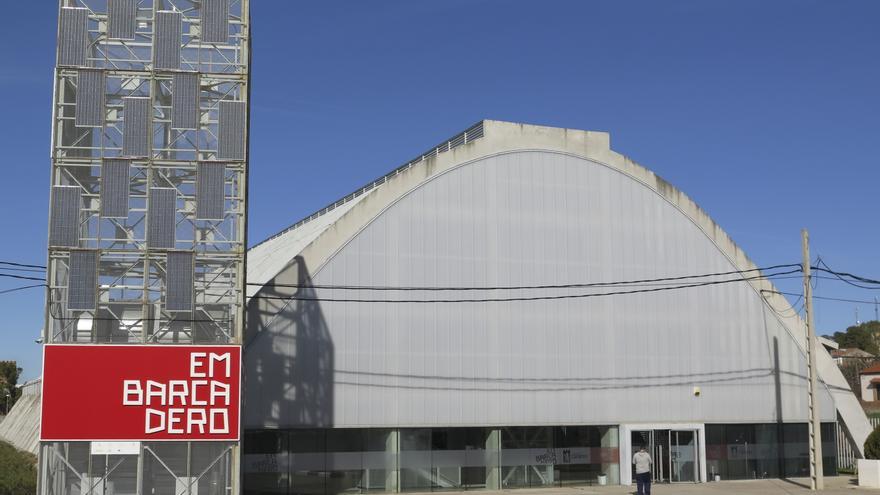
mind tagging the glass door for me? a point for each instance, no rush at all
(683, 456)
(656, 443)
(661, 456)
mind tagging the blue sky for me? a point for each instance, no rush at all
(765, 113)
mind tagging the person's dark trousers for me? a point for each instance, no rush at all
(643, 481)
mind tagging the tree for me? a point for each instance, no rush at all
(9, 373)
(865, 336)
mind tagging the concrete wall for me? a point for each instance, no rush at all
(522, 218)
(21, 427)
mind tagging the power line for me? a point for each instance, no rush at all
(7, 291)
(820, 297)
(21, 277)
(523, 298)
(527, 287)
(21, 265)
(841, 276)
(487, 300)
(33, 270)
(794, 307)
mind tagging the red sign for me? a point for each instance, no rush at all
(144, 393)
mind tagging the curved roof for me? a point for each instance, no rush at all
(316, 242)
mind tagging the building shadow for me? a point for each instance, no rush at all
(288, 355)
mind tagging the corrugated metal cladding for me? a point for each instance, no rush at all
(123, 19)
(115, 184)
(179, 285)
(89, 98)
(136, 113)
(82, 285)
(210, 191)
(166, 40)
(215, 21)
(515, 219)
(232, 123)
(74, 36)
(161, 217)
(64, 224)
(185, 100)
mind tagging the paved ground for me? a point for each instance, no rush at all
(838, 485)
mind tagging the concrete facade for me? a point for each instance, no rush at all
(523, 206)
(21, 427)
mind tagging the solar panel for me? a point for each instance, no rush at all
(123, 19)
(115, 183)
(136, 129)
(232, 123)
(73, 36)
(179, 281)
(214, 18)
(82, 284)
(89, 98)
(166, 40)
(185, 100)
(64, 224)
(210, 191)
(161, 216)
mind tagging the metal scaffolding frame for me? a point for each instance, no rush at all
(125, 57)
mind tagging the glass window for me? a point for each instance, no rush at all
(748, 451)
(829, 449)
(307, 467)
(573, 462)
(379, 461)
(796, 450)
(716, 452)
(415, 460)
(458, 458)
(265, 462)
(527, 457)
(768, 461)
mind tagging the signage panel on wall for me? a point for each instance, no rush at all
(140, 393)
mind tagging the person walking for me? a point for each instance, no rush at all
(642, 461)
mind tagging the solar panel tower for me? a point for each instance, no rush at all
(147, 213)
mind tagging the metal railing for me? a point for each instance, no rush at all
(472, 133)
(846, 456)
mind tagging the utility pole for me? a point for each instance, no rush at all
(817, 482)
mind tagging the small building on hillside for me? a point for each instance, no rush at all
(869, 379)
(848, 355)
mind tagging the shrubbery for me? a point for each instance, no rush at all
(18, 471)
(872, 445)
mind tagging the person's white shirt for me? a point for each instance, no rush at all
(643, 462)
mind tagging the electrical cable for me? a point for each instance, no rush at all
(32, 270)
(664, 287)
(21, 265)
(7, 291)
(21, 277)
(524, 287)
(792, 309)
(842, 275)
(856, 301)
(294, 297)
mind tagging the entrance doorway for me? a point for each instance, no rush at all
(674, 453)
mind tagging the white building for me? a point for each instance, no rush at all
(555, 385)
(869, 379)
